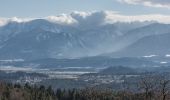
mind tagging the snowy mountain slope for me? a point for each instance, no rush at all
(134, 35)
(150, 45)
(73, 36)
(43, 39)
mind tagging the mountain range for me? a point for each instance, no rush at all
(82, 36)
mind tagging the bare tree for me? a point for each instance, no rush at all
(148, 84)
(164, 87)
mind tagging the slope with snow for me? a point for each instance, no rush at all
(82, 34)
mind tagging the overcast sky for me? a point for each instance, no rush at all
(42, 8)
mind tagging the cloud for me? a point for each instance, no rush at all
(4, 21)
(104, 17)
(149, 3)
(79, 18)
(90, 19)
(112, 17)
(63, 19)
(19, 20)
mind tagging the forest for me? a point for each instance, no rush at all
(148, 88)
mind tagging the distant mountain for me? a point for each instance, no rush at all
(40, 38)
(81, 35)
(149, 45)
(27, 42)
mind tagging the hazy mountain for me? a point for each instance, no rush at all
(80, 36)
(40, 38)
(149, 45)
(46, 40)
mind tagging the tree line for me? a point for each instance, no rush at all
(149, 88)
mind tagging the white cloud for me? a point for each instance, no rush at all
(103, 17)
(89, 18)
(62, 19)
(93, 18)
(150, 3)
(112, 17)
(19, 20)
(4, 21)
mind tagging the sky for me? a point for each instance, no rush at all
(43, 8)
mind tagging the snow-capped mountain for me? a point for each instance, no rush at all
(78, 35)
(41, 39)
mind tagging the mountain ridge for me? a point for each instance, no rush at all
(40, 39)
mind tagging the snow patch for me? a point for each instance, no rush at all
(163, 62)
(14, 69)
(168, 55)
(150, 56)
(12, 60)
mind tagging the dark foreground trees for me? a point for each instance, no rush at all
(150, 88)
(27, 92)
